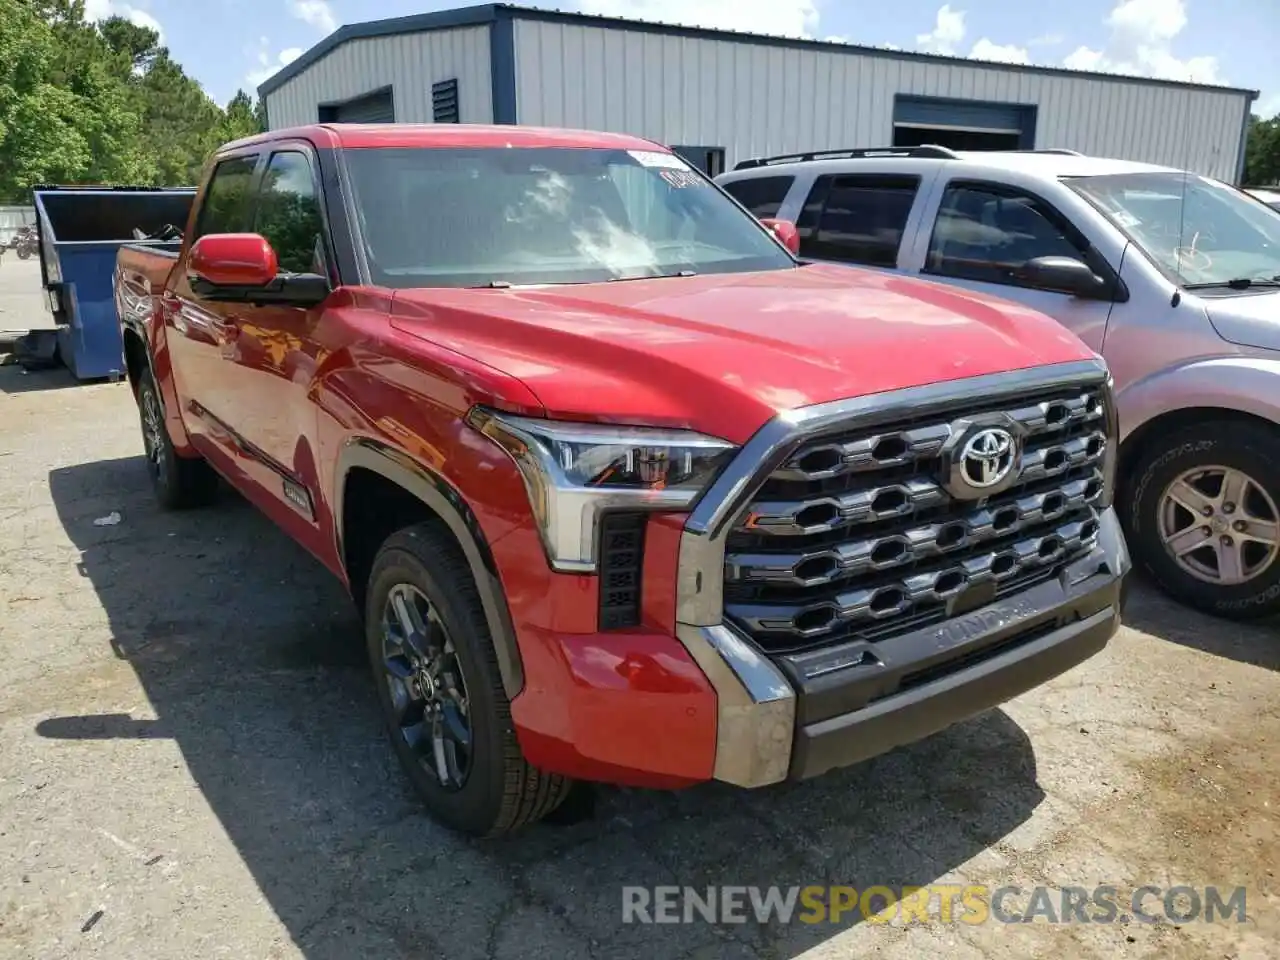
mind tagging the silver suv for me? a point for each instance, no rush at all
(1173, 278)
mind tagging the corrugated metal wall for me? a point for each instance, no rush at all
(11, 218)
(409, 62)
(755, 99)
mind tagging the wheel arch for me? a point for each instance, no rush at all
(440, 500)
(1138, 440)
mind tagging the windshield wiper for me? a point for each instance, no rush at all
(1239, 283)
(655, 276)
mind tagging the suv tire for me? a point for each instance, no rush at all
(441, 693)
(179, 482)
(1190, 469)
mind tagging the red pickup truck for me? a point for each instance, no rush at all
(626, 493)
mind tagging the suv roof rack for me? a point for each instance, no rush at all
(927, 150)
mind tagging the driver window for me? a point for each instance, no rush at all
(985, 235)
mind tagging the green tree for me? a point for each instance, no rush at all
(1262, 152)
(104, 103)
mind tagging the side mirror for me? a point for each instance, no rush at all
(785, 231)
(1062, 275)
(242, 267)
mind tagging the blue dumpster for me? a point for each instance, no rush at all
(81, 229)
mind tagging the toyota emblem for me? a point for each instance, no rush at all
(987, 457)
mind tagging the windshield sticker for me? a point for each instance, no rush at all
(659, 161)
(681, 178)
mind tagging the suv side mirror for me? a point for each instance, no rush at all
(785, 231)
(1063, 275)
(242, 267)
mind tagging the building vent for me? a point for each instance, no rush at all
(444, 101)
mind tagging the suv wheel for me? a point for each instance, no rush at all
(1204, 518)
(179, 482)
(441, 692)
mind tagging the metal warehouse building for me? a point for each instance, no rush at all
(719, 97)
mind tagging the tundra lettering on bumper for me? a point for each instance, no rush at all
(845, 597)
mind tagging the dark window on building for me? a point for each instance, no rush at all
(444, 101)
(857, 218)
(763, 196)
(985, 233)
(710, 160)
(225, 207)
(289, 214)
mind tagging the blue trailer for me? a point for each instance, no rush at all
(81, 229)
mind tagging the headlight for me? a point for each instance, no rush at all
(575, 472)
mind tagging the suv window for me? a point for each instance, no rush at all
(857, 218)
(985, 233)
(289, 214)
(224, 208)
(763, 196)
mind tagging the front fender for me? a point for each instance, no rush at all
(448, 504)
(1243, 384)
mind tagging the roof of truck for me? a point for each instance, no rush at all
(357, 135)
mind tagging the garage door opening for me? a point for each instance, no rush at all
(963, 124)
(956, 138)
(376, 107)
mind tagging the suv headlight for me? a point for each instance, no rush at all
(575, 472)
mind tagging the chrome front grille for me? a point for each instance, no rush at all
(856, 535)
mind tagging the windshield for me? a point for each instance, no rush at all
(1201, 233)
(499, 216)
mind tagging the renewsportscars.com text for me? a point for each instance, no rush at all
(971, 904)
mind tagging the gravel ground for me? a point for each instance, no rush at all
(191, 765)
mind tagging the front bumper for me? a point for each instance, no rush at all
(798, 716)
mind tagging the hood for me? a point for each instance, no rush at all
(723, 353)
(1248, 319)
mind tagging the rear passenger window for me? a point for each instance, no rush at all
(225, 208)
(857, 219)
(984, 234)
(763, 196)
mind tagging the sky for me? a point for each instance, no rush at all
(232, 44)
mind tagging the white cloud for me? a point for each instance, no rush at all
(984, 49)
(317, 13)
(786, 18)
(1268, 106)
(98, 10)
(1142, 35)
(267, 65)
(948, 34)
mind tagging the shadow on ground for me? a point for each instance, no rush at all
(15, 380)
(251, 656)
(1150, 611)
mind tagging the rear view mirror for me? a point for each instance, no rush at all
(242, 267)
(1062, 275)
(785, 231)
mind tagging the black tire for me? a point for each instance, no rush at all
(180, 483)
(24, 253)
(1253, 450)
(501, 791)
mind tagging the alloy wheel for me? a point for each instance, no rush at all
(1219, 525)
(153, 434)
(427, 692)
